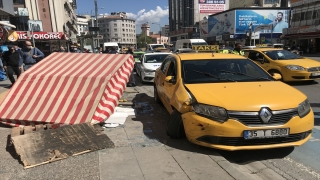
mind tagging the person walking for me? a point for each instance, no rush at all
(30, 55)
(12, 63)
(113, 51)
(238, 49)
(132, 81)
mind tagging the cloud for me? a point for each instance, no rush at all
(152, 16)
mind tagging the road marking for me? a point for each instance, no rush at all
(312, 139)
(303, 167)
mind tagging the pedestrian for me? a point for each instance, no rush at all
(62, 49)
(223, 49)
(12, 63)
(238, 49)
(1, 63)
(30, 55)
(113, 51)
(132, 81)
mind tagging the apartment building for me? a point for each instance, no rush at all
(117, 27)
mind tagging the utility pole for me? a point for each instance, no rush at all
(96, 14)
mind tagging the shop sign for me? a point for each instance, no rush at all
(23, 35)
(308, 29)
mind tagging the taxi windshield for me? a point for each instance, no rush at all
(224, 70)
(281, 55)
(137, 55)
(155, 58)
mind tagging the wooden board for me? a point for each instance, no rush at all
(37, 147)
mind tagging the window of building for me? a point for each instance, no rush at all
(116, 35)
(271, 1)
(115, 25)
(115, 29)
(18, 2)
(107, 30)
(122, 25)
(21, 23)
(314, 14)
(123, 30)
(308, 15)
(126, 30)
(296, 17)
(123, 35)
(124, 40)
(302, 16)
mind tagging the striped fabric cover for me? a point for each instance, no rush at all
(68, 88)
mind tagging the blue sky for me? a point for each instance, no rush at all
(142, 11)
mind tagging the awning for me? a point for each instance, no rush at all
(7, 24)
(67, 88)
(302, 35)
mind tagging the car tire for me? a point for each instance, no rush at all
(271, 72)
(156, 96)
(175, 128)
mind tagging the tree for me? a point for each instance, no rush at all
(143, 39)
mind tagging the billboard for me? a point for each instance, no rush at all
(239, 21)
(211, 6)
(278, 19)
(223, 23)
(204, 29)
(35, 25)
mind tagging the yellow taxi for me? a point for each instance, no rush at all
(228, 102)
(291, 66)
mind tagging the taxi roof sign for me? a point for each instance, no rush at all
(208, 48)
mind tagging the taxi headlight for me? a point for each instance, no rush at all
(295, 68)
(304, 108)
(212, 112)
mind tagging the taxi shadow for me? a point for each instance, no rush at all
(154, 118)
(302, 83)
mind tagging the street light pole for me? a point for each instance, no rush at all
(159, 31)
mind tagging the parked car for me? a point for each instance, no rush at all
(291, 66)
(228, 102)
(148, 64)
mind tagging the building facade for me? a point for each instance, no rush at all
(82, 24)
(117, 27)
(304, 31)
(52, 23)
(185, 15)
(258, 3)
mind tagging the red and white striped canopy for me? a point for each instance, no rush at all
(67, 88)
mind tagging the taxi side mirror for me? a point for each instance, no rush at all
(277, 76)
(170, 79)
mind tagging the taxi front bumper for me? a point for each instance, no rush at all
(229, 135)
(300, 75)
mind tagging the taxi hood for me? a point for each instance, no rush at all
(306, 63)
(248, 96)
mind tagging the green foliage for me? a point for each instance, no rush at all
(141, 39)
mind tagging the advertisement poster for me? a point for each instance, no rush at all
(35, 25)
(221, 24)
(204, 29)
(277, 19)
(211, 6)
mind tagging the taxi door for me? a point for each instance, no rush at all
(168, 86)
(260, 59)
(160, 78)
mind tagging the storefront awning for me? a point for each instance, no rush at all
(302, 35)
(7, 24)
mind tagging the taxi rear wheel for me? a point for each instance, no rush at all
(155, 95)
(271, 72)
(175, 128)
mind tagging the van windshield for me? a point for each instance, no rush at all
(157, 46)
(106, 48)
(198, 43)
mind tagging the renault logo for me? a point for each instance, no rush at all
(265, 115)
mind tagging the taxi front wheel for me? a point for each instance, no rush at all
(155, 95)
(175, 128)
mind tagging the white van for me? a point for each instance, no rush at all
(107, 45)
(152, 47)
(188, 43)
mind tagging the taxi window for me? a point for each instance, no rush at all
(165, 65)
(215, 71)
(282, 55)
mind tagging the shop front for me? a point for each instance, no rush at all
(47, 42)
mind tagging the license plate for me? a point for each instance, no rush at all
(269, 133)
(315, 74)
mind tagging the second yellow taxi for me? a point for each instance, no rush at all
(228, 102)
(292, 67)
